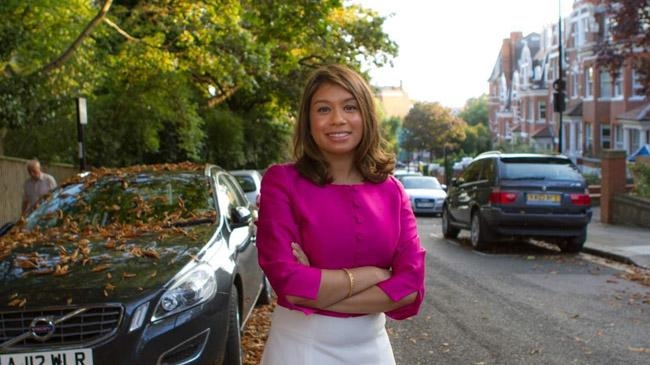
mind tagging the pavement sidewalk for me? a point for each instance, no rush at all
(627, 244)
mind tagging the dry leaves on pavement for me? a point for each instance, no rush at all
(256, 332)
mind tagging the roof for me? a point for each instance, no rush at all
(544, 132)
(640, 114)
(575, 111)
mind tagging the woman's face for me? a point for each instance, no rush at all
(335, 121)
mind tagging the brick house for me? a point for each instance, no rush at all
(601, 112)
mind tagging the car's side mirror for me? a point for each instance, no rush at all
(241, 216)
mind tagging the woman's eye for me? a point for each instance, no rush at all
(322, 109)
(350, 108)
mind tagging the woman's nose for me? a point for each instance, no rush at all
(337, 117)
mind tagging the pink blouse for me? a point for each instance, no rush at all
(337, 226)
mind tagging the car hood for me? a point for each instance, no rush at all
(51, 272)
(426, 193)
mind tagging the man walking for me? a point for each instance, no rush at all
(37, 185)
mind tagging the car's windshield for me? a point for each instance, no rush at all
(143, 198)
(541, 169)
(420, 183)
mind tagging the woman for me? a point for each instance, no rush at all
(336, 234)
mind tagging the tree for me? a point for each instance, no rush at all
(628, 39)
(475, 111)
(478, 137)
(433, 128)
(157, 73)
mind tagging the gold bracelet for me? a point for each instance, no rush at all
(351, 281)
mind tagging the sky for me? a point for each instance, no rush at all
(447, 48)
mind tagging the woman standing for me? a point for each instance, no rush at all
(336, 234)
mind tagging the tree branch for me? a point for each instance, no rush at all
(77, 42)
(120, 30)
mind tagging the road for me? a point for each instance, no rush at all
(522, 303)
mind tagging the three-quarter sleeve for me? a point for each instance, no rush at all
(408, 267)
(277, 228)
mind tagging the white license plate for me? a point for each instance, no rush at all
(543, 198)
(64, 357)
(425, 205)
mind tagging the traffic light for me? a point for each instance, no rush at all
(559, 104)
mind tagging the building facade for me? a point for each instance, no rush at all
(601, 112)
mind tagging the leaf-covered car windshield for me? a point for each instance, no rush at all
(142, 198)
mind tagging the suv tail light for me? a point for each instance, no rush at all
(502, 197)
(581, 199)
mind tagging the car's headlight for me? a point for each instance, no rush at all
(197, 286)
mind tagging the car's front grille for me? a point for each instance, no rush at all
(68, 326)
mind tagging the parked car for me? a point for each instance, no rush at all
(425, 192)
(251, 182)
(143, 265)
(503, 195)
(399, 174)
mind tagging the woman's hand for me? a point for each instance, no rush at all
(299, 254)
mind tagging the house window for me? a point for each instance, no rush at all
(542, 110)
(589, 82)
(636, 84)
(618, 135)
(588, 138)
(635, 140)
(605, 84)
(574, 85)
(605, 136)
(618, 84)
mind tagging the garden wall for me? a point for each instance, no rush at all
(13, 174)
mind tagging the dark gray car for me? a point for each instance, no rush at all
(503, 195)
(145, 265)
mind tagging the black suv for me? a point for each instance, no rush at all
(503, 195)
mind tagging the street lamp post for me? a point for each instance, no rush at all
(559, 104)
(82, 120)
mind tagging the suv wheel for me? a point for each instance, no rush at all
(447, 230)
(479, 235)
(574, 244)
(234, 354)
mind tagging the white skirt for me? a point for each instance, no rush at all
(296, 338)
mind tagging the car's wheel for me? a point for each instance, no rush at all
(447, 230)
(574, 244)
(479, 234)
(234, 353)
(265, 294)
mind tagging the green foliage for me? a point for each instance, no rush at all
(592, 179)
(389, 130)
(171, 80)
(432, 127)
(641, 172)
(475, 111)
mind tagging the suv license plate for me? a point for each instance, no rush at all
(543, 198)
(67, 357)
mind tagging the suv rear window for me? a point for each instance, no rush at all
(538, 169)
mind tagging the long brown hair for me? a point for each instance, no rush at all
(370, 157)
